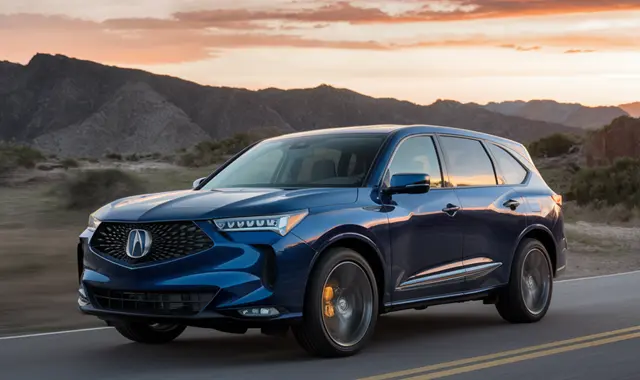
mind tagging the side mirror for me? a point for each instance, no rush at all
(197, 182)
(406, 183)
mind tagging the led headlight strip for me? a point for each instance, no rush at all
(280, 224)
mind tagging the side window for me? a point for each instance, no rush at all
(512, 172)
(417, 155)
(467, 162)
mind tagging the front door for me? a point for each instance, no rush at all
(426, 239)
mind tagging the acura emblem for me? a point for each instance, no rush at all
(138, 244)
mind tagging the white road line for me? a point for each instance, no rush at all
(105, 328)
(598, 277)
(53, 333)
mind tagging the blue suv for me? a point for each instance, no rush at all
(321, 232)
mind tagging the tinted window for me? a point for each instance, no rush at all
(417, 155)
(467, 162)
(511, 172)
(309, 161)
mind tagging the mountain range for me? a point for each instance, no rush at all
(571, 114)
(72, 107)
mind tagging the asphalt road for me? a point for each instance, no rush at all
(592, 332)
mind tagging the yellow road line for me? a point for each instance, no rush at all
(499, 355)
(515, 359)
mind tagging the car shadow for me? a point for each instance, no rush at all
(197, 349)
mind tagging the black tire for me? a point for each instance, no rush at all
(511, 301)
(149, 334)
(313, 334)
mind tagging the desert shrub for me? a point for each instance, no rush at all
(211, 152)
(94, 188)
(14, 156)
(69, 163)
(611, 185)
(552, 146)
(113, 156)
(132, 157)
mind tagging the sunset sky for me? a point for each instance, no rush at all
(584, 51)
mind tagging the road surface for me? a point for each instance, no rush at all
(592, 332)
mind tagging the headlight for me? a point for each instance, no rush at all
(93, 223)
(281, 224)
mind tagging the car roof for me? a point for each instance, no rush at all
(386, 129)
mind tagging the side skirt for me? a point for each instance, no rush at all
(476, 295)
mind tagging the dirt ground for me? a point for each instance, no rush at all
(38, 282)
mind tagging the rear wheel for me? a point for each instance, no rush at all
(341, 305)
(528, 296)
(149, 333)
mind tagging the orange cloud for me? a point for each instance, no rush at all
(188, 38)
(22, 35)
(578, 51)
(431, 10)
(520, 48)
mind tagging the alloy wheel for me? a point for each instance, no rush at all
(535, 281)
(347, 304)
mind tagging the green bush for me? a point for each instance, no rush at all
(552, 146)
(94, 188)
(611, 185)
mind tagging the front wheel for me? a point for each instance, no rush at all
(341, 305)
(527, 297)
(150, 333)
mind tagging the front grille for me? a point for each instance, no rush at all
(169, 240)
(157, 303)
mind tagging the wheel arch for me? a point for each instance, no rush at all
(545, 237)
(366, 247)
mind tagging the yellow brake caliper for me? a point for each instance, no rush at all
(327, 297)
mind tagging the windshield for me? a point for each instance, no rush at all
(310, 161)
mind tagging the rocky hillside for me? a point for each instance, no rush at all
(632, 109)
(72, 107)
(619, 139)
(575, 115)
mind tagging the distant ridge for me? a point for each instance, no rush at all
(632, 109)
(570, 114)
(73, 107)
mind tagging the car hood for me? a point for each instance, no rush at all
(220, 203)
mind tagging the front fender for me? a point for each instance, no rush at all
(366, 225)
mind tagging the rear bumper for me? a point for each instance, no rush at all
(242, 270)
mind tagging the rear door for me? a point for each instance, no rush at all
(492, 212)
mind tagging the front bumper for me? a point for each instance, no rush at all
(242, 270)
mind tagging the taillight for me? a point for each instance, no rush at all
(557, 198)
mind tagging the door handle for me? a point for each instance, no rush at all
(451, 209)
(512, 204)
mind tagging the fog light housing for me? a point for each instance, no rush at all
(83, 300)
(259, 312)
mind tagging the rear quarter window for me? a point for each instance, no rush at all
(510, 171)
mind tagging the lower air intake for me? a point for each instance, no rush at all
(159, 303)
